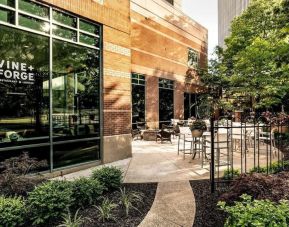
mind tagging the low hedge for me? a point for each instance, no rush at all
(12, 211)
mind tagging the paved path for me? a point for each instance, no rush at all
(174, 206)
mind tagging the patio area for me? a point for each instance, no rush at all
(156, 162)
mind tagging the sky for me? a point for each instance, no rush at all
(204, 12)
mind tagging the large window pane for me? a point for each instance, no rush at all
(24, 102)
(7, 16)
(76, 152)
(10, 3)
(88, 27)
(190, 105)
(75, 87)
(138, 104)
(64, 32)
(89, 40)
(34, 8)
(64, 18)
(34, 24)
(166, 101)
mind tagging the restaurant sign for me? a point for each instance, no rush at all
(16, 72)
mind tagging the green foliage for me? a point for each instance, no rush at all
(105, 210)
(110, 177)
(49, 201)
(75, 221)
(128, 199)
(253, 69)
(256, 213)
(198, 124)
(12, 211)
(86, 191)
(276, 167)
(231, 173)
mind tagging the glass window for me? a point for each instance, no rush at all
(24, 104)
(88, 27)
(75, 86)
(7, 16)
(193, 58)
(10, 3)
(34, 8)
(190, 105)
(34, 24)
(89, 40)
(166, 101)
(64, 19)
(76, 152)
(138, 99)
(64, 33)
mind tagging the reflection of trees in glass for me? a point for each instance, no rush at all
(75, 83)
(18, 99)
(138, 103)
(166, 102)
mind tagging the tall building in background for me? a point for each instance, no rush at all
(228, 10)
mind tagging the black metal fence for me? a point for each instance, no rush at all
(245, 146)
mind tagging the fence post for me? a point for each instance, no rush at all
(212, 167)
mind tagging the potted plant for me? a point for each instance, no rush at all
(198, 127)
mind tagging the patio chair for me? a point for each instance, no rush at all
(164, 136)
(185, 137)
(136, 134)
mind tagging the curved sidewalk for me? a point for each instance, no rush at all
(174, 206)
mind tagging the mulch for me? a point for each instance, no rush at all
(135, 215)
(207, 212)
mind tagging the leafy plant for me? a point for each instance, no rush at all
(12, 184)
(128, 199)
(12, 211)
(231, 173)
(75, 221)
(86, 191)
(259, 186)
(275, 167)
(105, 210)
(14, 179)
(256, 213)
(198, 124)
(49, 201)
(22, 165)
(110, 177)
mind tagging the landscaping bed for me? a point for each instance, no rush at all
(99, 200)
(135, 216)
(207, 212)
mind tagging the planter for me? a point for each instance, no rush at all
(197, 133)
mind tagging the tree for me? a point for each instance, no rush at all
(254, 64)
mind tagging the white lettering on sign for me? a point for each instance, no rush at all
(16, 72)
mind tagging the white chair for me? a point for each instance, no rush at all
(185, 138)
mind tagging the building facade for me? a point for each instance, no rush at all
(227, 11)
(74, 75)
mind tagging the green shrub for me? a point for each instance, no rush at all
(86, 191)
(250, 212)
(231, 173)
(49, 201)
(276, 167)
(12, 211)
(110, 177)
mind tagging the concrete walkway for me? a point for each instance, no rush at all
(174, 206)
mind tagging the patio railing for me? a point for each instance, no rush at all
(248, 146)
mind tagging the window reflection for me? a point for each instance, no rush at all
(166, 101)
(24, 113)
(138, 99)
(75, 91)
